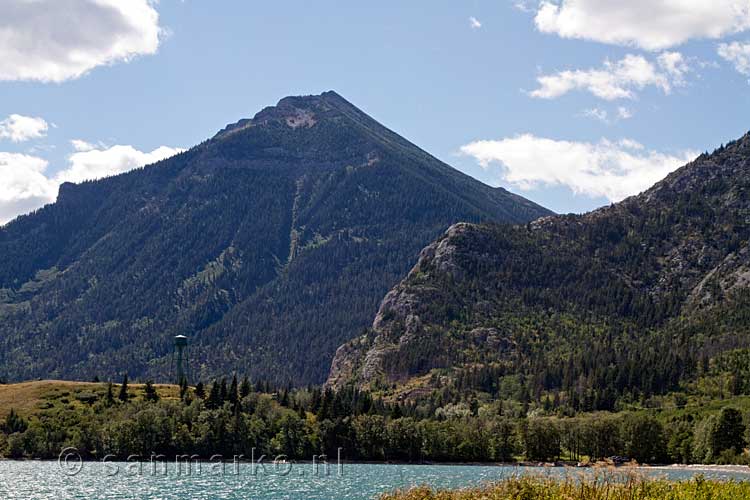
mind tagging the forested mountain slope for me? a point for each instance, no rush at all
(268, 245)
(638, 298)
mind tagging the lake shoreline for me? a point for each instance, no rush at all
(734, 469)
(351, 481)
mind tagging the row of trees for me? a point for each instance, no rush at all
(233, 418)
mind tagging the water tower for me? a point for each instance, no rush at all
(180, 359)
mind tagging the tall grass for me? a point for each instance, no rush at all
(586, 488)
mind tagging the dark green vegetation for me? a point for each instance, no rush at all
(233, 417)
(632, 305)
(269, 245)
(601, 487)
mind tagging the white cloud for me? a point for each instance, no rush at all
(474, 23)
(604, 116)
(675, 65)
(57, 40)
(525, 5)
(614, 170)
(597, 114)
(19, 128)
(81, 145)
(624, 113)
(648, 24)
(25, 184)
(738, 54)
(629, 144)
(616, 80)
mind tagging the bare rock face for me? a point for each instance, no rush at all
(398, 326)
(441, 255)
(396, 305)
(344, 364)
(730, 275)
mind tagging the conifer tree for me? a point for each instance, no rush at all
(110, 399)
(214, 397)
(284, 401)
(200, 390)
(123, 396)
(245, 388)
(183, 389)
(149, 392)
(234, 391)
(14, 423)
(315, 400)
(224, 392)
(326, 405)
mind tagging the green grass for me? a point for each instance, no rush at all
(604, 487)
(29, 398)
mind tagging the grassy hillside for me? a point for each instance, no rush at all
(30, 398)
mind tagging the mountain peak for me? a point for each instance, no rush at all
(294, 112)
(326, 127)
(313, 100)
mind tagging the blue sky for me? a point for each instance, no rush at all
(573, 104)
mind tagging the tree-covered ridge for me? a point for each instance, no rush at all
(621, 303)
(269, 245)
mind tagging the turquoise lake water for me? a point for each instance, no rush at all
(34, 480)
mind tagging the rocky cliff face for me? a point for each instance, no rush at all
(487, 295)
